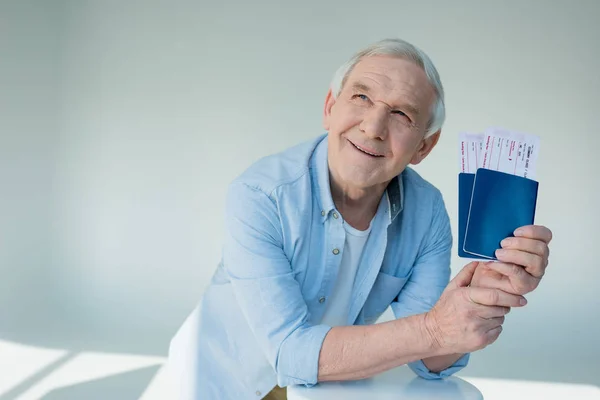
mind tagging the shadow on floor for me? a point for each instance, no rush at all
(23, 386)
(126, 386)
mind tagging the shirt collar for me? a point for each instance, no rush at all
(395, 195)
(320, 177)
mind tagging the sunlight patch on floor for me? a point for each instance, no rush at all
(18, 362)
(159, 388)
(497, 389)
(86, 367)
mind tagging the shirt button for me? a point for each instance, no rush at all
(323, 213)
(335, 251)
(258, 393)
(322, 300)
(335, 215)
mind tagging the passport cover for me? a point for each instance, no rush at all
(465, 190)
(498, 204)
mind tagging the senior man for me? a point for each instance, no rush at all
(323, 237)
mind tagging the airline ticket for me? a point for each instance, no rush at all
(470, 150)
(511, 152)
(499, 149)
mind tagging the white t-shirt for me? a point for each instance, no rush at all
(338, 304)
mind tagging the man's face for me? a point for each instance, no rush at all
(383, 109)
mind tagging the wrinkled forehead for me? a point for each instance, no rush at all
(393, 79)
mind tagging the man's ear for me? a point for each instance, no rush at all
(329, 102)
(425, 148)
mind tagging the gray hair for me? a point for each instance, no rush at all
(401, 49)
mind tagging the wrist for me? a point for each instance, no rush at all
(432, 334)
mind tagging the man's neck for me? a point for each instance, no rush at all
(358, 206)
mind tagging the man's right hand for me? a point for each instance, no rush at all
(466, 318)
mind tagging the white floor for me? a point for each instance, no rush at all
(31, 373)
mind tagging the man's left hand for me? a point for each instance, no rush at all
(523, 262)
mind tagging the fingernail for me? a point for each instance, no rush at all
(499, 252)
(519, 232)
(506, 242)
(523, 301)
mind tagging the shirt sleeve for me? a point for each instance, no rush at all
(430, 276)
(265, 287)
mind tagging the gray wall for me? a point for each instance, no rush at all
(30, 84)
(124, 121)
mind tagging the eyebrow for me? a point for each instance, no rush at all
(361, 87)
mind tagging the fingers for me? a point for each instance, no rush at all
(494, 329)
(493, 334)
(489, 278)
(536, 232)
(494, 297)
(531, 254)
(532, 246)
(463, 278)
(533, 264)
(521, 281)
(489, 312)
(493, 323)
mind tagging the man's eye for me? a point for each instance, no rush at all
(401, 114)
(361, 96)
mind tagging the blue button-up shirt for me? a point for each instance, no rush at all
(259, 323)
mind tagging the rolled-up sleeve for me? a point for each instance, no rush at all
(265, 287)
(421, 369)
(430, 276)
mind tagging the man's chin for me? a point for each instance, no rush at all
(362, 181)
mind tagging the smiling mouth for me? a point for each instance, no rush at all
(365, 151)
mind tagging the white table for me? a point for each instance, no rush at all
(398, 383)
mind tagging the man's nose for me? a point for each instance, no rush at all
(375, 122)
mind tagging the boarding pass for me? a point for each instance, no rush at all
(499, 149)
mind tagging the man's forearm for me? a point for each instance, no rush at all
(358, 352)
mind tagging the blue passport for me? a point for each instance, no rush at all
(491, 205)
